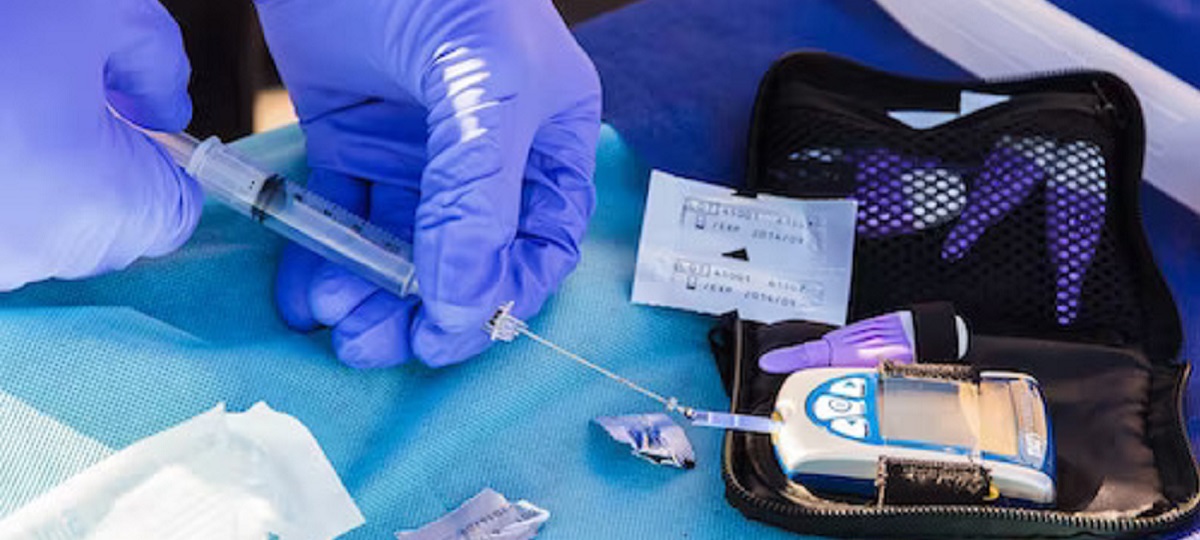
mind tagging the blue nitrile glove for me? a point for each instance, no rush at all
(466, 126)
(82, 192)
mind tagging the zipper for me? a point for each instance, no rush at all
(1155, 281)
(875, 120)
(1107, 109)
(1094, 105)
(746, 497)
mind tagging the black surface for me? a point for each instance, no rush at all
(936, 332)
(577, 11)
(228, 63)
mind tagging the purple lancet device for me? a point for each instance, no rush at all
(865, 343)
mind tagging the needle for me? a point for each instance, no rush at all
(505, 327)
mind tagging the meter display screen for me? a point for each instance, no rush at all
(927, 411)
(949, 413)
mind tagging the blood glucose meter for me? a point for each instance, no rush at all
(838, 423)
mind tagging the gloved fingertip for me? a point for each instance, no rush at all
(455, 319)
(437, 348)
(176, 204)
(191, 207)
(168, 113)
(298, 267)
(292, 280)
(353, 354)
(376, 333)
(336, 292)
(146, 78)
(177, 115)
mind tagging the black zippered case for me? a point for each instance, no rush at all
(1025, 215)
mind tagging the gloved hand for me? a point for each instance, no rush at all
(83, 192)
(468, 127)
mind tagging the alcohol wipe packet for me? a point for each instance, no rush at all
(706, 249)
(486, 516)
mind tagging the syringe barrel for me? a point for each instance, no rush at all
(294, 213)
(338, 235)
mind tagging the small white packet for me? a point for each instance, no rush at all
(705, 249)
(486, 516)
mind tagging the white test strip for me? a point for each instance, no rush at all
(736, 422)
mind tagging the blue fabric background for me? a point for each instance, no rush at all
(124, 356)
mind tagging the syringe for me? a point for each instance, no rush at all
(295, 213)
(371, 252)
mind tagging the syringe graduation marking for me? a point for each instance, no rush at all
(262, 201)
(371, 232)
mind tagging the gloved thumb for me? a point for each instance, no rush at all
(147, 72)
(145, 79)
(480, 134)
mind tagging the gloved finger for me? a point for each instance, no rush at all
(379, 141)
(335, 292)
(557, 201)
(138, 204)
(394, 207)
(146, 75)
(371, 327)
(527, 286)
(298, 266)
(293, 275)
(479, 140)
(338, 296)
(376, 333)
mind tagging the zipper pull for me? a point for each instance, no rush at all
(1107, 108)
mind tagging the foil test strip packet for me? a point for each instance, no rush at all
(653, 437)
